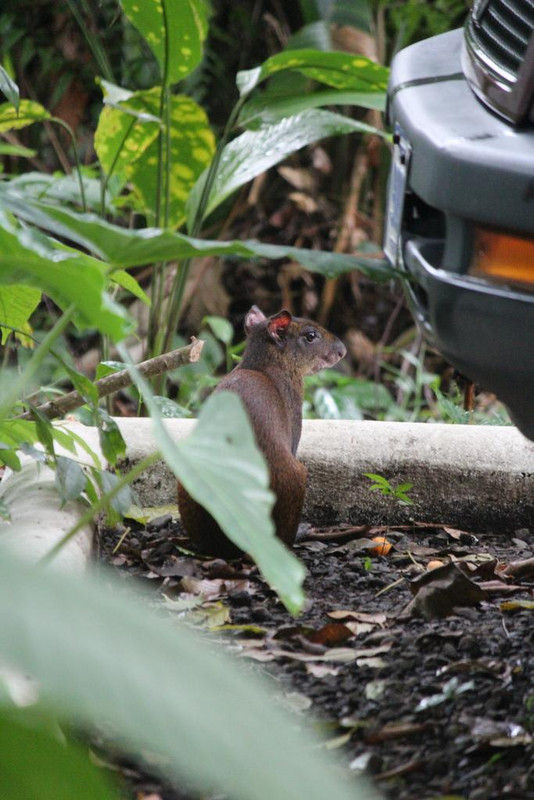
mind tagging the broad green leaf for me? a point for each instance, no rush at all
(9, 88)
(340, 70)
(130, 147)
(16, 150)
(62, 189)
(45, 433)
(28, 112)
(111, 441)
(268, 108)
(69, 439)
(221, 467)
(341, 12)
(256, 151)
(9, 458)
(17, 304)
(108, 368)
(124, 499)
(169, 409)
(70, 479)
(118, 97)
(315, 35)
(174, 30)
(83, 385)
(43, 767)
(173, 695)
(13, 432)
(128, 248)
(128, 282)
(220, 328)
(66, 275)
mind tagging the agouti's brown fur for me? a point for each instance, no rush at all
(269, 380)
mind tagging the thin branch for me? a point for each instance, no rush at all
(119, 380)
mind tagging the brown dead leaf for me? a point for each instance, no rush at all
(209, 589)
(331, 634)
(500, 587)
(523, 569)
(301, 179)
(464, 537)
(321, 670)
(341, 655)
(359, 628)
(258, 655)
(304, 202)
(396, 730)
(372, 663)
(370, 652)
(361, 616)
(498, 733)
(497, 669)
(439, 592)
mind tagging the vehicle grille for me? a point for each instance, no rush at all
(502, 29)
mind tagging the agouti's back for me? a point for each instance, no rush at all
(280, 351)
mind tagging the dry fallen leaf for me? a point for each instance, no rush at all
(331, 634)
(439, 592)
(377, 618)
(321, 670)
(517, 605)
(520, 569)
(498, 733)
(342, 655)
(209, 589)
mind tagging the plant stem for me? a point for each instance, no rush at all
(93, 42)
(180, 279)
(78, 166)
(102, 502)
(106, 179)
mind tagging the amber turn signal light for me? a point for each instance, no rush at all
(499, 256)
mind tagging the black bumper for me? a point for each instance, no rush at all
(458, 165)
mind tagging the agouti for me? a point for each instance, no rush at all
(280, 350)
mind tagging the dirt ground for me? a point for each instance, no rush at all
(421, 678)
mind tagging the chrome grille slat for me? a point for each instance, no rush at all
(503, 32)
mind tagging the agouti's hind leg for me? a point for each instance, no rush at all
(290, 494)
(202, 528)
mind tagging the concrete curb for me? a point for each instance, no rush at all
(479, 477)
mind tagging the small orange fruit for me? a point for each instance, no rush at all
(383, 546)
(434, 564)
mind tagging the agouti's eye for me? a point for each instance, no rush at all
(311, 336)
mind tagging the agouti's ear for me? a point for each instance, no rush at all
(278, 325)
(253, 318)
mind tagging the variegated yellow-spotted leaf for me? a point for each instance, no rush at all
(124, 133)
(174, 30)
(341, 70)
(28, 113)
(126, 141)
(192, 145)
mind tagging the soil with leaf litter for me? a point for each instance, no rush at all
(422, 678)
